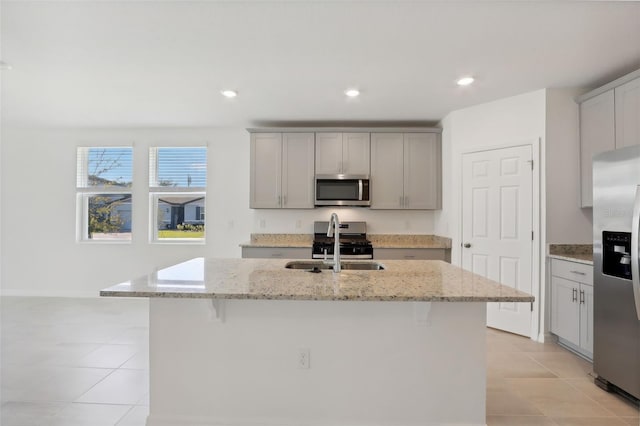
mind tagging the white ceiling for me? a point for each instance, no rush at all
(164, 63)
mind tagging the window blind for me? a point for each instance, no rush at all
(179, 168)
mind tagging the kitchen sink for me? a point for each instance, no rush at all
(356, 266)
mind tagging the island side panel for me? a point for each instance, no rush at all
(371, 363)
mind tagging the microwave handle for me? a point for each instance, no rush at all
(360, 189)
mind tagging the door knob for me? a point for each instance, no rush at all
(467, 245)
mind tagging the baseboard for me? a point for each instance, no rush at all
(153, 420)
(575, 349)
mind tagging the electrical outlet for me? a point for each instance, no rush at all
(304, 361)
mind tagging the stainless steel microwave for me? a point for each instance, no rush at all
(343, 190)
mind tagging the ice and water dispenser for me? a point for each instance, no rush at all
(616, 257)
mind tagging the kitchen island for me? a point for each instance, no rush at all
(249, 342)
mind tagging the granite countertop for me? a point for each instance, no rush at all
(401, 280)
(377, 240)
(581, 253)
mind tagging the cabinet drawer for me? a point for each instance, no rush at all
(276, 252)
(409, 254)
(572, 271)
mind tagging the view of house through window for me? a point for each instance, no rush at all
(104, 178)
(177, 183)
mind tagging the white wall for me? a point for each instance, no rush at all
(40, 255)
(514, 120)
(567, 223)
(511, 120)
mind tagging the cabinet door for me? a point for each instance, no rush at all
(586, 317)
(356, 153)
(328, 153)
(597, 134)
(387, 171)
(297, 170)
(565, 311)
(628, 114)
(266, 167)
(421, 171)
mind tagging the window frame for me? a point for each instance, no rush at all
(156, 192)
(84, 192)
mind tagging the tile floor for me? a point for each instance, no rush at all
(83, 362)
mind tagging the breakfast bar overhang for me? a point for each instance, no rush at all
(239, 342)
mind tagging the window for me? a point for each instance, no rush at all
(177, 185)
(103, 187)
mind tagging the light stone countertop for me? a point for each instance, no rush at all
(267, 279)
(377, 240)
(581, 253)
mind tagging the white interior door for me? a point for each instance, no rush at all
(497, 227)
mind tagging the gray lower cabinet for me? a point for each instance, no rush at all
(572, 305)
(276, 252)
(412, 254)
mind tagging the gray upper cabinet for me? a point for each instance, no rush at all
(282, 170)
(266, 170)
(387, 170)
(597, 134)
(406, 171)
(342, 153)
(609, 119)
(628, 114)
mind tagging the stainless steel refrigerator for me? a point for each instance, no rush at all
(616, 274)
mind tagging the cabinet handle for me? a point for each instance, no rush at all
(279, 201)
(578, 272)
(582, 297)
(574, 292)
(276, 254)
(401, 201)
(284, 200)
(409, 256)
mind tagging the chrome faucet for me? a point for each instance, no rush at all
(336, 243)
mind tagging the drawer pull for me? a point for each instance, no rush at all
(409, 256)
(276, 254)
(578, 272)
(574, 293)
(582, 297)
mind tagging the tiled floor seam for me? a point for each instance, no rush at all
(564, 379)
(94, 385)
(124, 416)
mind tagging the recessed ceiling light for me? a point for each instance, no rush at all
(229, 93)
(352, 93)
(465, 81)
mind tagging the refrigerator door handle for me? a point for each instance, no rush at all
(635, 251)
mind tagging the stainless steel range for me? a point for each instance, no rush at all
(353, 241)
